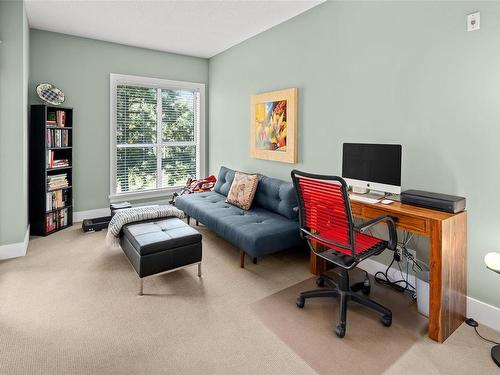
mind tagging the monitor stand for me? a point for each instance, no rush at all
(360, 190)
(375, 194)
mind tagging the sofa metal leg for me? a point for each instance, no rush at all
(141, 287)
(242, 259)
(197, 223)
(199, 269)
(188, 219)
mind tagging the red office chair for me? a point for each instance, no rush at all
(325, 218)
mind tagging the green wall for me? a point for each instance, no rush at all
(387, 72)
(80, 67)
(14, 70)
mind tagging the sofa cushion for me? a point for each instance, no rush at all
(275, 195)
(278, 196)
(224, 181)
(257, 231)
(243, 190)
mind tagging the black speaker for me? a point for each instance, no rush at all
(436, 201)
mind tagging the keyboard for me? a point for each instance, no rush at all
(360, 198)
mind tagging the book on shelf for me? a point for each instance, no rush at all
(56, 163)
(56, 220)
(57, 118)
(60, 163)
(51, 116)
(57, 138)
(61, 119)
(56, 199)
(58, 181)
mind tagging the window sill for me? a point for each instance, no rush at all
(142, 195)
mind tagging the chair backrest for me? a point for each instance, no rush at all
(324, 210)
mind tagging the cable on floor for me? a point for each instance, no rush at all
(402, 285)
(474, 324)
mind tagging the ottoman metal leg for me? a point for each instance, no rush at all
(141, 287)
(141, 280)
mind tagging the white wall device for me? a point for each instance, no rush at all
(473, 21)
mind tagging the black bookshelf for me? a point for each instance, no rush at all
(50, 160)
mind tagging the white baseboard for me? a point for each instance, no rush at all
(372, 267)
(482, 312)
(17, 249)
(89, 214)
(99, 212)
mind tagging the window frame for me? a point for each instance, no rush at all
(157, 83)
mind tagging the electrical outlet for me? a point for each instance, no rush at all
(474, 21)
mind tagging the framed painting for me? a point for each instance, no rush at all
(273, 126)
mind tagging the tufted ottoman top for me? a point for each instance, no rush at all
(160, 235)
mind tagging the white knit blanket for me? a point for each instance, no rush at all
(132, 215)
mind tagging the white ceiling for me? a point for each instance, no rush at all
(196, 28)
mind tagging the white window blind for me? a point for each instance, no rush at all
(156, 135)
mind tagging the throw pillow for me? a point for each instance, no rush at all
(243, 190)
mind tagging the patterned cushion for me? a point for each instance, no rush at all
(243, 190)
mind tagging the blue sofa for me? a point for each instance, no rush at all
(271, 224)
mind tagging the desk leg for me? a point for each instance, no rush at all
(448, 276)
(318, 265)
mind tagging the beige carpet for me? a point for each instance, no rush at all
(71, 307)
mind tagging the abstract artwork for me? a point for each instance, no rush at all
(273, 126)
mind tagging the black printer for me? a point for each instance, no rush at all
(436, 201)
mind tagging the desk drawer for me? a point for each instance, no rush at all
(410, 223)
(356, 210)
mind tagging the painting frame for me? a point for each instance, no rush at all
(290, 97)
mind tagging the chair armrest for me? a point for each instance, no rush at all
(391, 226)
(308, 235)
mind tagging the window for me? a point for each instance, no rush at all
(156, 135)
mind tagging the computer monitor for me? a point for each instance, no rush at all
(372, 167)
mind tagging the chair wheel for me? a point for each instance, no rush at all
(340, 331)
(320, 282)
(300, 302)
(386, 320)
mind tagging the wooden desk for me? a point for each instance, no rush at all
(448, 258)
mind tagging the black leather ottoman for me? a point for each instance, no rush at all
(161, 245)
